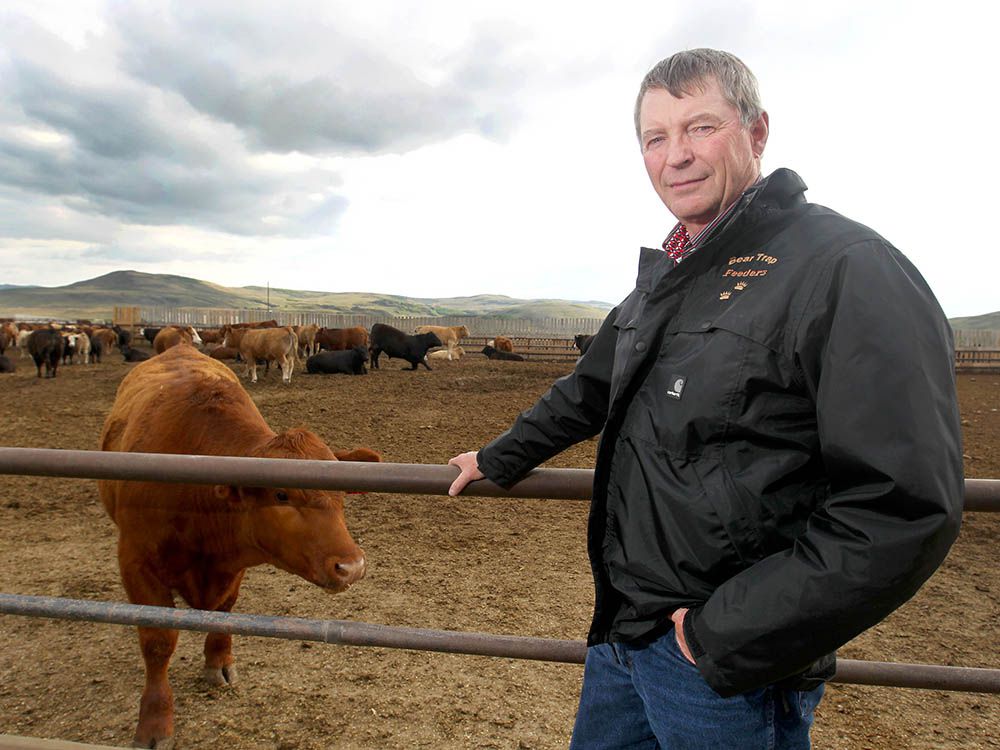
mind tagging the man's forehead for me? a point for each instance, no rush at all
(700, 97)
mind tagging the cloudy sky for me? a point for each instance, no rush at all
(453, 148)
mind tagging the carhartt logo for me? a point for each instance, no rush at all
(676, 387)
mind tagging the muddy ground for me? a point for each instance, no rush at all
(505, 566)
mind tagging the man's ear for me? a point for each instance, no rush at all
(758, 134)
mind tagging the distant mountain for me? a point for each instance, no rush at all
(989, 321)
(96, 298)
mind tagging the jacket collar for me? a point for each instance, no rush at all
(781, 190)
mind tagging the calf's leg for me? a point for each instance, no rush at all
(156, 707)
(219, 667)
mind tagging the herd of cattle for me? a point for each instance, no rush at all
(163, 549)
(325, 350)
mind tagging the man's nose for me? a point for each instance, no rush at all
(679, 153)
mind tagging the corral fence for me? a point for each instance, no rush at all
(477, 325)
(566, 484)
(543, 338)
(987, 360)
(968, 338)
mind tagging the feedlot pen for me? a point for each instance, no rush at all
(474, 564)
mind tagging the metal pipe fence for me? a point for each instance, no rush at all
(576, 484)
(422, 479)
(347, 633)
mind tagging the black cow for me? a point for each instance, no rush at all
(134, 355)
(348, 361)
(492, 353)
(96, 348)
(46, 346)
(6, 364)
(150, 334)
(68, 349)
(582, 342)
(124, 338)
(401, 345)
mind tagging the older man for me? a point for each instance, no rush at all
(780, 460)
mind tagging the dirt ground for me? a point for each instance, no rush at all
(506, 566)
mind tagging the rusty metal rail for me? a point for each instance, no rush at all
(423, 479)
(346, 633)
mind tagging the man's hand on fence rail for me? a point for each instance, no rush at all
(469, 471)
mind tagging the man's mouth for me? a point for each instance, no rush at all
(685, 183)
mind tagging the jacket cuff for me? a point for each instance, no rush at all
(693, 644)
(494, 470)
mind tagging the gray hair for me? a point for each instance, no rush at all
(686, 72)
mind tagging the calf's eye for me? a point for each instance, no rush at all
(281, 497)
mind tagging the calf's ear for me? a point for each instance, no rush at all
(358, 454)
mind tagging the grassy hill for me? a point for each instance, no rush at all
(989, 321)
(96, 298)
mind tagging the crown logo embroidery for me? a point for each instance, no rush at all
(741, 286)
(726, 295)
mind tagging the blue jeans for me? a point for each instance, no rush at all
(651, 697)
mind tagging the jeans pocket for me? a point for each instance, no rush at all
(804, 702)
(668, 641)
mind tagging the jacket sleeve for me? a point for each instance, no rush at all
(876, 353)
(574, 409)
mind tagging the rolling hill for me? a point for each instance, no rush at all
(95, 298)
(987, 322)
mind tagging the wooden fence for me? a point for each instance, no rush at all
(477, 325)
(967, 338)
(987, 360)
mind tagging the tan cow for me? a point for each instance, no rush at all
(270, 344)
(458, 353)
(197, 540)
(81, 347)
(173, 335)
(232, 335)
(449, 335)
(23, 335)
(307, 339)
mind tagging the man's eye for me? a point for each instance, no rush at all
(702, 130)
(654, 141)
(281, 497)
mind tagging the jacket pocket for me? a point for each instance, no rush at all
(738, 509)
(666, 546)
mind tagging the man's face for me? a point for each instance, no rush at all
(698, 155)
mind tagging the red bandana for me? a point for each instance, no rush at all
(678, 244)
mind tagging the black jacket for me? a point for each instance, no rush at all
(781, 448)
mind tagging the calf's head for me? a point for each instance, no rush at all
(298, 530)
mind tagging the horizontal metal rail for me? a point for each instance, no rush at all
(422, 479)
(346, 633)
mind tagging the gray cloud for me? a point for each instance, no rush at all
(159, 122)
(126, 154)
(290, 83)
